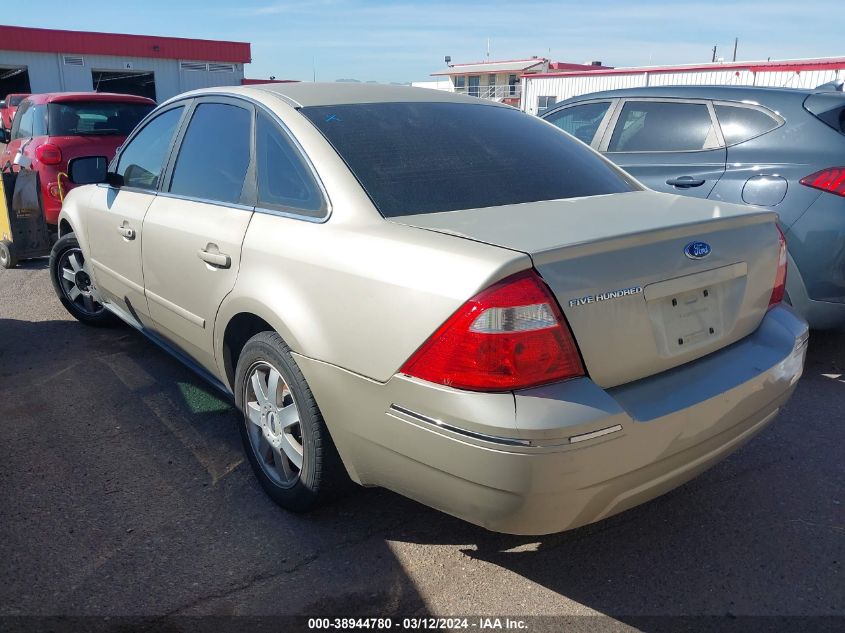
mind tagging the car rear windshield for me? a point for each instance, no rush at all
(94, 118)
(16, 100)
(430, 157)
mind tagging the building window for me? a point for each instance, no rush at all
(460, 82)
(512, 81)
(474, 85)
(544, 103)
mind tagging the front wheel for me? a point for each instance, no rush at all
(283, 432)
(8, 257)
(72, 283)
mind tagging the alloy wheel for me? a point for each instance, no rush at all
(76, 282)
(272, 418)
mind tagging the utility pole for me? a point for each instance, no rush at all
(714, 55)
(736, 43)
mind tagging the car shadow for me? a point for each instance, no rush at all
(128, 493)
(39, 263)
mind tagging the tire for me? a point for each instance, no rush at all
(66, 262)
(8, 258)
(270, 434)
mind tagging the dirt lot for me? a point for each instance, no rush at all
(124, 492)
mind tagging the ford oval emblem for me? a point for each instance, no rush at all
(697, 250)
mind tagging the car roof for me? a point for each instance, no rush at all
(729, 93)
(305, 94)
(65, 97)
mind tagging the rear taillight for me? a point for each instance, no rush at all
(49, 154)
(510, 336)
(831, 180)
(780, 276)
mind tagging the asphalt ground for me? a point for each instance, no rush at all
(124, 492)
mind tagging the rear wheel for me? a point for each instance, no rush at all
(8, 258)
(283, 432)
(72, 283)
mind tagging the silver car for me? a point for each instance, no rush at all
(435, 294)
(778, 148)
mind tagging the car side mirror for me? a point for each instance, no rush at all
(88, 170)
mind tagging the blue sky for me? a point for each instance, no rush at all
(405, 41)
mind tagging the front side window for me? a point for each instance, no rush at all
(740, 124)
(284, 180)
(581, 121)
(215, 154)
(15, 100)
(430, 157)
(659, 126)
(95, 118)
(142, 159)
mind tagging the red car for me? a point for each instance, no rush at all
(7, 113)
(52, 128)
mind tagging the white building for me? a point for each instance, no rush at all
(497, 80)
(46, 60)
(540, 90)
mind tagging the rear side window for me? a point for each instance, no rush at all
(142, 159)
(659, 126)
(284, 181)
(740, 124)
(430, 157)
(214, 155)
(95, 118)
(581, 121)
(30, 121)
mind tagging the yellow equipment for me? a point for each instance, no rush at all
(23, 231)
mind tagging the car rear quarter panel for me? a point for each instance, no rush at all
(800, 147)
(362, 297)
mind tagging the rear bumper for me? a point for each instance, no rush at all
(817, 246)
(557, 457)
(821, 315)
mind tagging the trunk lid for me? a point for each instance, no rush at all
(637, 302)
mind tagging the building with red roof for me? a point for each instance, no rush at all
(47, 60)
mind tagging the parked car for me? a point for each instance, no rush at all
(435, 294)
(8, 109)
(53, 128)
(781, 149)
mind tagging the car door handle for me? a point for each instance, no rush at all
(219, 260)
(685, 182)
(126, 232)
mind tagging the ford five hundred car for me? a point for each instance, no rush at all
(435, 294)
